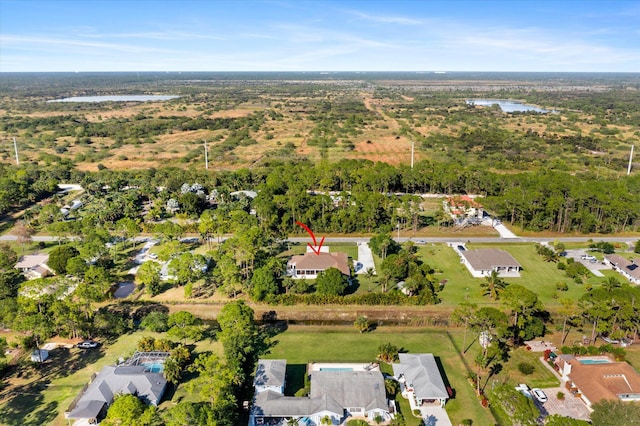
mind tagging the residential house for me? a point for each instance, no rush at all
(270, 375)
(464, 210)
(114, 380)
(599, 378)
(310, 264)
(336, 393)
(34, 266)
(630, 269)
(421, 378)
(482, 262)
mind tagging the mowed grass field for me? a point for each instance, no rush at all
(300, 345)
(537, 275)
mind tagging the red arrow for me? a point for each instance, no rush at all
(313, 247)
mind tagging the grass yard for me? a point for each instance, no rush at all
(41, 394)
(300, 345)
(538, 276)
(540, 378)
(350, 249)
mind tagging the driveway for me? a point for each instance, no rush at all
(435, 416)
(365, 257)
(594, 267)
(570, 406)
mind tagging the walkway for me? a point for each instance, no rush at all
(432, 415)
(365, 257)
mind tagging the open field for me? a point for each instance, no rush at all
(377, 120)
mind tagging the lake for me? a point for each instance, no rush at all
(117, 98)
(506, 105)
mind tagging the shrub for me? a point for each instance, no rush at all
(560, 395)
(562, 286)
(526, 368)
(417, 412)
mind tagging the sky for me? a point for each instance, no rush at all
(300, 35)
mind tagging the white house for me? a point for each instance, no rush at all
(34, 266)
(421, 377)
(336, 393)
(630, 269)
(482, 262)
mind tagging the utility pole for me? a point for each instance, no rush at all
(15, 148)
(412, 151)
(206, 156)
(628, 168)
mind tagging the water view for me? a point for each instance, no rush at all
(117, 98)
(506, 105)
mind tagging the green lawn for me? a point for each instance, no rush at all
(300, 345)
(350, 249)
(540, 378)
(537, 275)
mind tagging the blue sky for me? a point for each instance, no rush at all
(283, 35)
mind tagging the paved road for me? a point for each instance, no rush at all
(418, 240)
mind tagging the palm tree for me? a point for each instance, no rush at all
(493, 285)
(384, 281)
(610, 284)
(326, 420)
(370, 272)
(293, 422)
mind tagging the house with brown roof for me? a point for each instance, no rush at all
(310, 264)
(630, 269)
(34, 266)
(482, 262)
(594, 379)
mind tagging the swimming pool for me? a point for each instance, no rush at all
(155, 367)
(594, 361)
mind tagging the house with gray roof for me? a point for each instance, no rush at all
(34, 266)
(421, 377)
(114, 380)
(270, 375)
(482, 262)
(630, 269)
(337, 393)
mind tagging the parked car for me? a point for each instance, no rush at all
(524, 389)
(87, 344)
(540, 395)
(588, 257)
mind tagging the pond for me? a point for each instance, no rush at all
(117, 98)
(507, 105)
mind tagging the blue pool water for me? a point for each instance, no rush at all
(154, 367)
(594, 361)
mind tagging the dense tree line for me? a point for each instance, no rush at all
(360, 201)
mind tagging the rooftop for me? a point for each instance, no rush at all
(631, 267)
(604, 381)
(321, 262)
(489, 258)
(32, 260)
